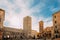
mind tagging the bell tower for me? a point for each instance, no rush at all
(41, 26)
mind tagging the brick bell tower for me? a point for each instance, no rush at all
(2, 16)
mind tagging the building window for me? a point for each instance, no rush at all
(56, 36)
(55, 22)
(56, 31)
(55, 26)
(55, 16)
(0, 19)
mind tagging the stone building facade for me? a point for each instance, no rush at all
(12, 33)
(41, 25)
(27, 25)
(2, 17)
(56, 24)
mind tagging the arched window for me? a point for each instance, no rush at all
(54, 16)
(55, 26)
(0, 19)
(56, 36)
(55, 21)
(56, 31)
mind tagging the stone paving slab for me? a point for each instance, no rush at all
(57, 39)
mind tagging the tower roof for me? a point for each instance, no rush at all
(27, 16)
(41, 22)
(1, 9)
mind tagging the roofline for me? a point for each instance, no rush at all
(56, 12)
(2, 9)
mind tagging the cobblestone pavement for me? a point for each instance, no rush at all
(33, 39)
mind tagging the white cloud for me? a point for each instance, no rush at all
(48, 22)
(16, 20)
(35, 22)
(38, 7)
(53, 9)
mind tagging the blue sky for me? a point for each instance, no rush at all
(16, 10)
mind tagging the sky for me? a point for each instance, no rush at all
(16, 10)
